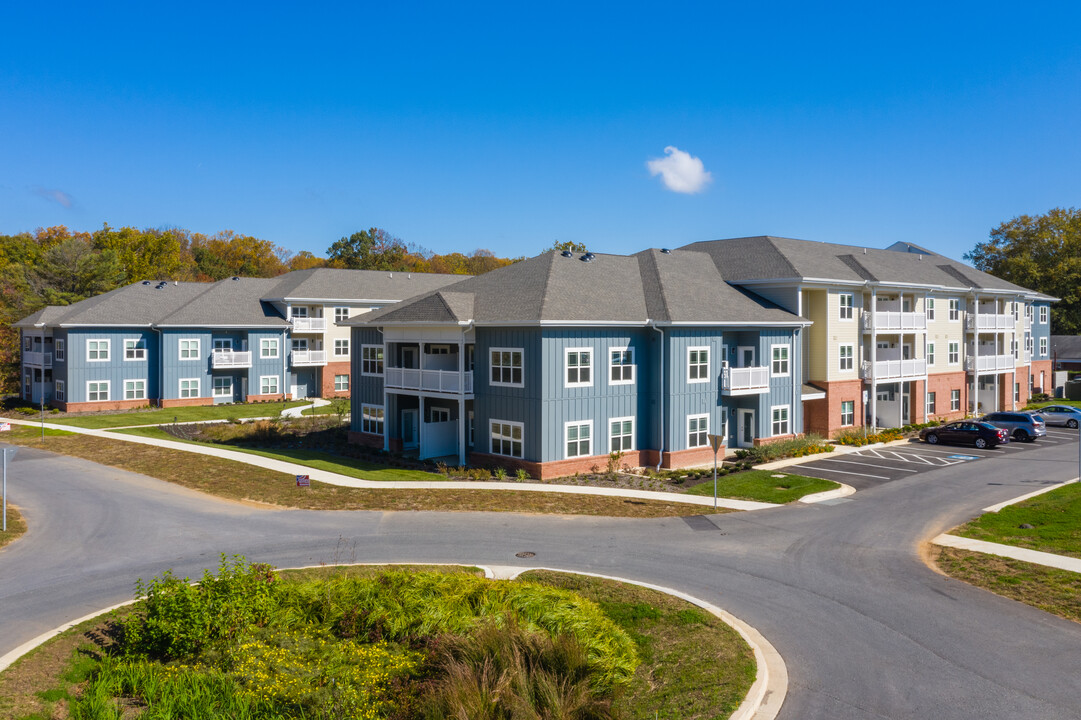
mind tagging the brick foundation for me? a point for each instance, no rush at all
(365, 439)
(267, 398)
(823, 417)
(556, 468)
(760, 441)
(185, 402)
(99, 406)
(941, 384)
(327, 384)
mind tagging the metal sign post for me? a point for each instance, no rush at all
(8, 453)
(716, 442)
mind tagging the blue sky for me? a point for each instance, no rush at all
(507, 126)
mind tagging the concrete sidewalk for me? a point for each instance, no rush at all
(1062, 562)
(330, 478)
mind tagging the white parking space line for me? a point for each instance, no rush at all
(909, 458)
(846, 472)
(866, 464)
(956, 450)
(1062, 433)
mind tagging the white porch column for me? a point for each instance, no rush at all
(461, 400)
(874, 360)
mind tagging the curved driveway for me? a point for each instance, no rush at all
(866, 630)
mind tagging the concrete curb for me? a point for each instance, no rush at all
(763, 700)
(843, 491)
(1062, 562)
(1026, 496)
(346, 481)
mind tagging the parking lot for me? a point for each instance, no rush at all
(868, 467)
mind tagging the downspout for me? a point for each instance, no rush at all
(660, 454)
(161, 363)
(461, 396)
(285, 373)
(386, 403)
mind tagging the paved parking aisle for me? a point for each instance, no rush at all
(869, 467)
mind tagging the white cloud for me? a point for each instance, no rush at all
(680, 171)
(57, 196)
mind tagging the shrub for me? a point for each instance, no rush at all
(794, 447)
(855, 436)
(521, 474)
(500, 473)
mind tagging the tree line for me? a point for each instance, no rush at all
(59, 266)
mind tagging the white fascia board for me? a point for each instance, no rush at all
(97, 325)
(333, 300)
(742, 323)
(226, 327)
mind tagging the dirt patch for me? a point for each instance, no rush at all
(16, 526)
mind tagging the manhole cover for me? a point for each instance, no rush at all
(525, 554)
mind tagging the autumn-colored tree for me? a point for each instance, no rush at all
(305, 260)
(144, 254)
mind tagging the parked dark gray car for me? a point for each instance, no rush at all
(1059, 415)
(1021, 426)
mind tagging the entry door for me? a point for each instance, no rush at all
(904, 408)
(409, 429)
(745, 355)
(409, 358)
(745, 432)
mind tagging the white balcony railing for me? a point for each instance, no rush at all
(987, 321)
(898, 321)
(894, 369)
(307, 324)
(1027, 357)
(36, 357)
(230, 359)
(990, 363)
(448, 381)
(744, 380)
(1028, 322)
(308, 357)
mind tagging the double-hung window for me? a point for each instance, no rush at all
(189, 387)
(847, 353)
(621, 434)
(97, 350)
(697, 364)
(189, 349)
(955, 309)
(930, 404)
(28, 343)
(697, 431)
(506, 369)
(579, 436)
(930, 353)
(341, 383)
(930, 304)
(779, 360)
(1043, 314)
(579, 364)
(371, 419)
(268, 384)
(621, 366)
(58, 350)
(371, 359)
(1043, 344)
(97, 390)
(506, 438)
(341, 348)
(955, 400)
(135, 349)
(268, 348)
(846, 303)
(135, 389)
(58, 390)
(223, 386)
(848, 412)
(1017, 392)
(341, 314)
(954, 354)
(222, 345)
(780, 419)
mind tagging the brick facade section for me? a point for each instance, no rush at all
(823, 417)
(556, 468)
(185, 402)
(365, 439)
(1043, 366)
(327, 382)
(267, 398)
(99, 406)
(941, 384)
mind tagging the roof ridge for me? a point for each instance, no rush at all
(788, 263)
(660, 285)
(547, 279)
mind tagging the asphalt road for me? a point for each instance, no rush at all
(865, 628)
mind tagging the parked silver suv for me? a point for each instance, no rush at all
(1022, 426)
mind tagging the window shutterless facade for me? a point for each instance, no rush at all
(440, 414)
(223, 386)
(58, 390)
(506, 438)
(779, 366)
(268, 348)
(97, 390)
(341, 314)
(930, 353)
(621, 434)
(1043, 344)
(223, 345)
(954, 354)
(621, 366)
(579, 438)
(371, 359)
(846, 355)
(955, 400)
(341, 383)
(341, 348)
(697, 364)
(848, 412)
(28, 343)
(189, 387)
(371, 419)
(697, 431)
(58, 350)
(846, 302)
(268, 384)
(1017, 392)
(930, 409)
(135, 389)
(955, 309)
(930, 305)
(506, 368)
(1043, 314)
(97, 350)
(578, 364)
(135, 349)
(189, 349)
(779, 415)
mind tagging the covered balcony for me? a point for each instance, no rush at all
(309, 324)
(988, 321)
(429, 367)
(220, 359)
(308, 357)
(446, 381)
(990, 363)
(894, 369)
(744, 380)
(894, 321)
(36, 358)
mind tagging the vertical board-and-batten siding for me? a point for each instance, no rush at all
(684, 398)
(115, 370)
(364, 389)
(515, 404)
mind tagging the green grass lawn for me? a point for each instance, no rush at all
(311, 458)
(181, 415)
(1072, 403)
(761, 485)
(1055, 517)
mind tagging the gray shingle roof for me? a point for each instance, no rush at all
(1066, 346)
(773, 258)
(676, 287)
(130, 305)
(229, 303)
(353, 285)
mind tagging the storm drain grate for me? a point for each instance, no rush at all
(525, 554)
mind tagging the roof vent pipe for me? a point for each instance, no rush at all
(567, 253)
(666, 251)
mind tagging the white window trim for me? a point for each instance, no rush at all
(1043, 314)
(338, 310)
(687, 429)
(788, 360)
(215, 389)
(108, 390)
(58, 350)
(367, 418)
(58, 390)
(950, 352)
(274, 345)
(277, 381)
(1043, 346)
(521, 352)
(134, 380)
(950, 309)
(443, 411)
(843, 423)
(363, 350)
(633, 366)
(841, 358)
(566, 367)
(180, 384)
(520, 426)
(226, 344)
(709, 363)
(341, 343)
(841, 307)
(957, 397)
(198, 349)
(788, 419)
(346, 382)
(928, 409)
(567, 427)
(136, 348)
(108, 350)
(929, 309)
(634, 430)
